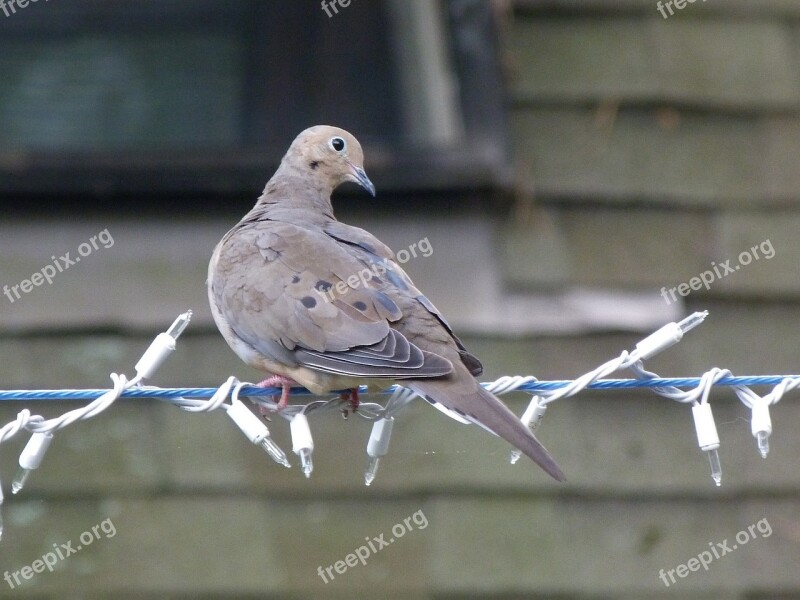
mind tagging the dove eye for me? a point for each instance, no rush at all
(337, 144)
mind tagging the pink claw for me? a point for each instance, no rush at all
(285, 383)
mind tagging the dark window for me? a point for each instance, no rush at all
(205, 96)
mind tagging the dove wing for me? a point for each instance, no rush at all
(302, 297)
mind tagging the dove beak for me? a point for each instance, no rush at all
(360, 177)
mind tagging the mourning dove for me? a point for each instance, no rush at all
(274, 284)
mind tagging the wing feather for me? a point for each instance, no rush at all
(333, 314)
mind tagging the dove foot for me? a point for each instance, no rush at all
(285, 383)
(351, 397)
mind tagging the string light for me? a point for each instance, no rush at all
(544, 392)
(531, 418)
(30, 459)
(761, 427)
(254, 429)
(302, 442)
(378, 446)
(707, 437)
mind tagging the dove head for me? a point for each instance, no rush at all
(329, 156)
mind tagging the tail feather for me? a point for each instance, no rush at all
(469, 398)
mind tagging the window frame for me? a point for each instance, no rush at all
(479, 161)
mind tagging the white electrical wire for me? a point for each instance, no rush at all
(226, 397)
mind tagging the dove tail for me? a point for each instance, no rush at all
(486, 409)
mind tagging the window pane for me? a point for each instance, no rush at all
(123, 91)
